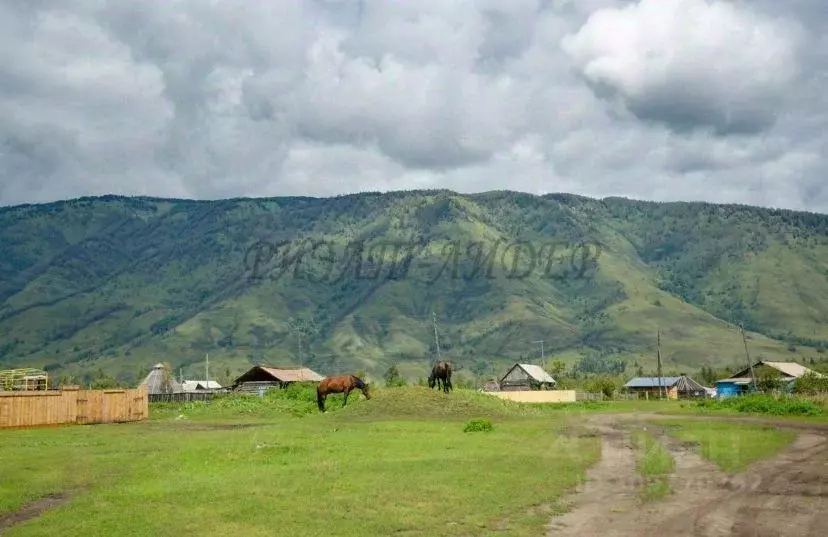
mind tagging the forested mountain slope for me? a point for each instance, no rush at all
(121, 283)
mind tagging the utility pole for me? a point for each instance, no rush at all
(661, 389)
(747, 354)
(207, 368)
(436, 339)
(543, 363)
(299, 340)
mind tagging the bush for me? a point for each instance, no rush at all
(810, 384)
(478, 425)
(603, 385)
(393, 379)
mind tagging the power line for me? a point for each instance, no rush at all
(658, 357)
(750, 363)
(543, 363)
(436, 339)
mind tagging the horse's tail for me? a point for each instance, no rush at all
(320, 402)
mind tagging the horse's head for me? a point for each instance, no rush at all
(431, 381)
(365, 391)
(362, 385)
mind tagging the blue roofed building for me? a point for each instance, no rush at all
(676, 387)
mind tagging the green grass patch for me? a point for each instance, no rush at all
(361, 470)
(731, 446)
(655, 464)
(765, 404)
(478, 425)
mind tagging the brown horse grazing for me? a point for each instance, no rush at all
(441, 372)
(341, 384)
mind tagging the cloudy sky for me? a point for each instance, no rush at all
(655, 99)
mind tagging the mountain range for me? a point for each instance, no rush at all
(364, 281)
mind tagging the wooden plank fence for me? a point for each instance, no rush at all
(598, 396)
(72, 405)
(183, 397)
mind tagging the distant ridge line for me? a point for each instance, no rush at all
(556, 196)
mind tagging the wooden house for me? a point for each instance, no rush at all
(526, 377)
(741, 382)
(261, 378)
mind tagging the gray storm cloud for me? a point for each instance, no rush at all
(682, 99)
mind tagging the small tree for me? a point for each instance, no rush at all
(557, 368)
(102, 381)
(393, 378)
(708, 375)
(811, 384)
(166, 377)
(602, 384)
(769, 381)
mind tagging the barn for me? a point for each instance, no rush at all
(681, 387)
(526, 377)
(262, 377)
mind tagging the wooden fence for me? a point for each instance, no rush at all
(72, 405)
(598, 396)
(183, 397)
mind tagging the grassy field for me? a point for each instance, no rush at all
(731, 446)
(400, 463)
(796, 409)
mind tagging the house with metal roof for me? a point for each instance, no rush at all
(526, 377)
(190, 386)
(741, 382)
(676, 387)
(261, 378)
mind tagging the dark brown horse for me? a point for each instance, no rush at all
(341, 384)
(441, 372)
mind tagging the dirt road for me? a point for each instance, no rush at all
(786, 495)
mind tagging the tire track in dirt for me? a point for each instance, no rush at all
(32, 510)
(787, 494)
(609, 492)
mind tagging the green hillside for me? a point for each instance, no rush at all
(118, 284)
